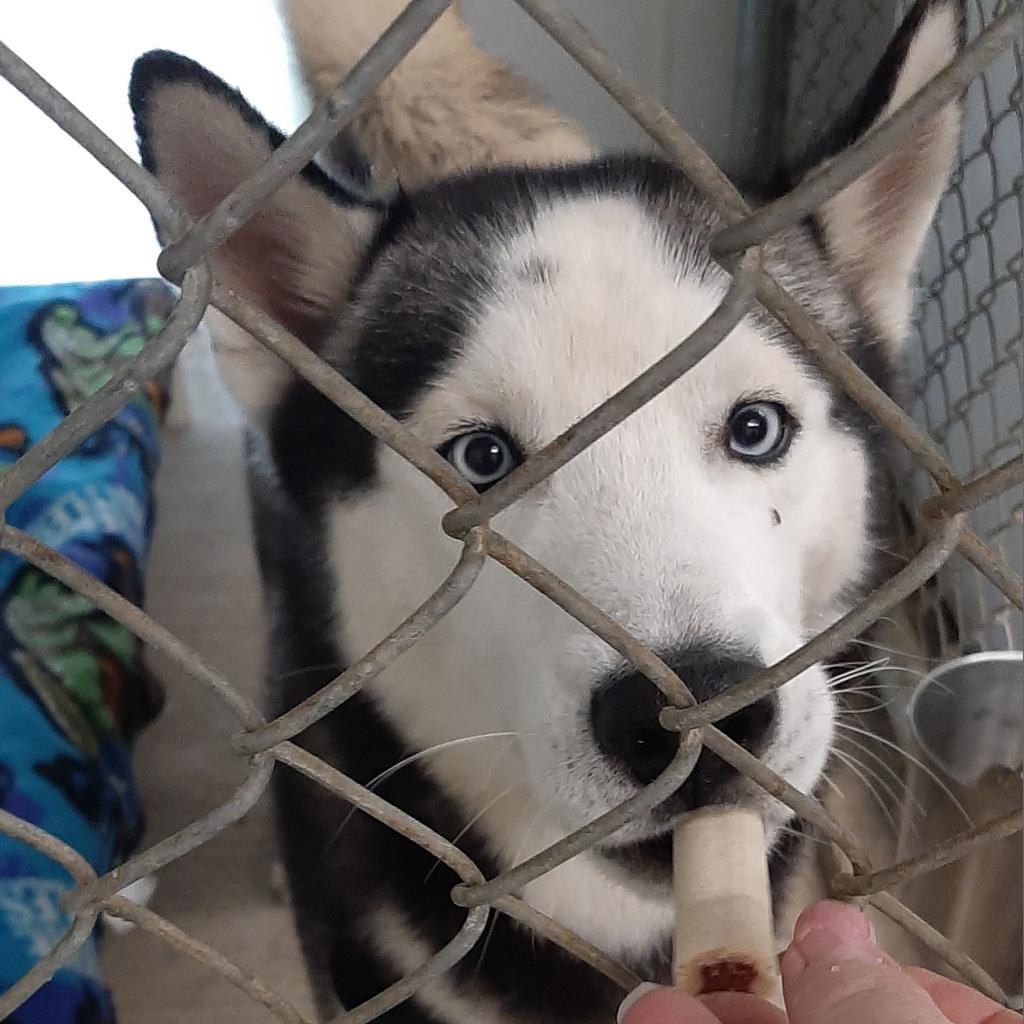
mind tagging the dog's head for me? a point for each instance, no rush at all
(722, 524)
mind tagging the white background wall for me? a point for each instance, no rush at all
(63, 218)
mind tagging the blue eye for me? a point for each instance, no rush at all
(759, 431)
(483, 457)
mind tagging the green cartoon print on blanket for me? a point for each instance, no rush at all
(82, 358)
(73, 658)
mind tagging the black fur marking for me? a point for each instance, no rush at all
(536, 271)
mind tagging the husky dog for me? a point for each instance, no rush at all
(513, 283)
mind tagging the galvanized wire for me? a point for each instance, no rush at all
(268, 746)
(825, 181)
(964, 357)
(832, 47)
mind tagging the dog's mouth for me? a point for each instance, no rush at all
(647, 862)
(643, 856)
(643, 852)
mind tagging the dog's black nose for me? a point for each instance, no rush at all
(624, 716)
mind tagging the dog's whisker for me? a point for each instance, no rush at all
(472, 821)
(404, 763)
(916, 673)
(899, 780)
(485, 785)
(899, 555)
(492, 924)
(856, 673)
(901, 627)
(435, 749)
(911, 655)
(860, 770)
(859, 663)
(541, 808)
(787, 830)
(879, 705)
(915, 761)
(833, 785)
(867, 688)
(333, 666)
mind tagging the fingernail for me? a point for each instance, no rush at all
(823, 946)
(643, 989)
(840, 918)
(828, 934)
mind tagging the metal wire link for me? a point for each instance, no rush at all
(823, 183)
(268, 745)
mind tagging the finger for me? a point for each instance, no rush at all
(962, 1005)
(652, 1005)
(834, 973)
(742, 1008)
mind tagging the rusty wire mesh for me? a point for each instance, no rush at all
(267, 745)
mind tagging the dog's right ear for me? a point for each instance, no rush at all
(294, 259)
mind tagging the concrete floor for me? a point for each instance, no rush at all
(203, 585)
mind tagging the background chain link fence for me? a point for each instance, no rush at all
(267, 746)
(831, 51)
(964, 365)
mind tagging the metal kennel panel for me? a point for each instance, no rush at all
(266, 746)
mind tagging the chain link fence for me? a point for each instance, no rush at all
(831, 51)
(965, 376)
(965, 370)
(268, 747)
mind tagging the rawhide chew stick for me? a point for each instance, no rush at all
(725, 940)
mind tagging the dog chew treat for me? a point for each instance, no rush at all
(725, 939)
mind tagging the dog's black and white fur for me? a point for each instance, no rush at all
(725, 522)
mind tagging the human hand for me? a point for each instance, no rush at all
(833, 973)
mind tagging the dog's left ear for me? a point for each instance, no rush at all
(875, 228)
(294, 258)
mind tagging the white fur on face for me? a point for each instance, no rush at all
(654, 523)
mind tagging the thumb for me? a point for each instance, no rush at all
(650, 1004)
(834, 973)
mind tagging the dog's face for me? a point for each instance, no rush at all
(719, 524)
(723, 524)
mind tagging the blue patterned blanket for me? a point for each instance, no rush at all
(73, 690)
